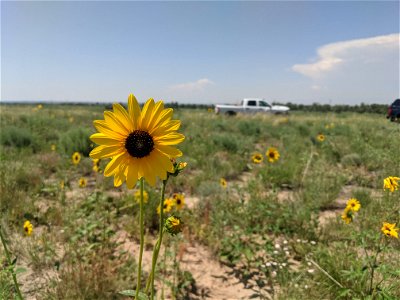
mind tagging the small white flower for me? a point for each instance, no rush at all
(306, 286)
(285, 242)
(268, 264)
(284, 264)
(309, 264)
(287, 253)
(276, 252)
(313, 242)
(273, 273)
(285, 248)
(310, 271)
(296, 285)
(280, 267)
(274, 263)
(304, 241)
(298, 240)
(277, 246)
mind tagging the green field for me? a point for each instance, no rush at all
(275, 231)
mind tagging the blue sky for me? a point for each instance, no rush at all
(200, 52)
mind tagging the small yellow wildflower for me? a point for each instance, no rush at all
(257, 158)
(76, 158)
(210, 110)
(223, 183)
(353, 204)
(390, 230)
(168, 204)
(320, 137)
(40, 106)
(391, 183)
(347, 215)
(145, 196)
(62, 184)
(82, 182)
(179, 200)
(272, 154)
(53, 147)
(71, 119)
(96, 165)
(173, 225)
(28, 228)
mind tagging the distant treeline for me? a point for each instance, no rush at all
(315, 107)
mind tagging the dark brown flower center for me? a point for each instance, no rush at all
(272, 154)
(139, 143)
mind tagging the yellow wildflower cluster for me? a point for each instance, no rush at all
(223, 183)
(321, 137)
(177, 201)
(145, 196)
(352, 207)
(272, 155)
(76, 158)
(28, 228)
(390, 230)
(391, 183)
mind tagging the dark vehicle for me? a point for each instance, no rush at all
(394, 111)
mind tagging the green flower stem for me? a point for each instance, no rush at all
(3, 241)
(156, 251)
(141, 221)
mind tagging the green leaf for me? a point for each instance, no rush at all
(131, 293)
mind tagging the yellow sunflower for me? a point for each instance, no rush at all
(28, 228)
(223, 183)
(140, 142)
(257, 158)
(168, 204)
(272, 154)
(391, 183)
(353, 204)
(347, 215)
(390, 230)
(76, 158)
(320, 137)
(173, 225)
(96, 165)
(137, 196)
(179, 200)
(82, 182)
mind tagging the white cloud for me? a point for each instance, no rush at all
(334, 56)
(192, 86)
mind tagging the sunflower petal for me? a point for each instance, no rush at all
(165, 116)
(149, 174)
(134, 110)
(158, 108)
(163, 161)
(102, 139)
(105, 151)
(171, 138)
(102, 127)
(169, 151)
(172, 125)
(132, 175)
(147, 114)
(113, 165)
(114, 124)
(123, 117)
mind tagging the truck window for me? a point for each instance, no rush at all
(251, 103)
(265, 104)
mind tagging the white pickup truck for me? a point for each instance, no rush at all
(251, 105)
